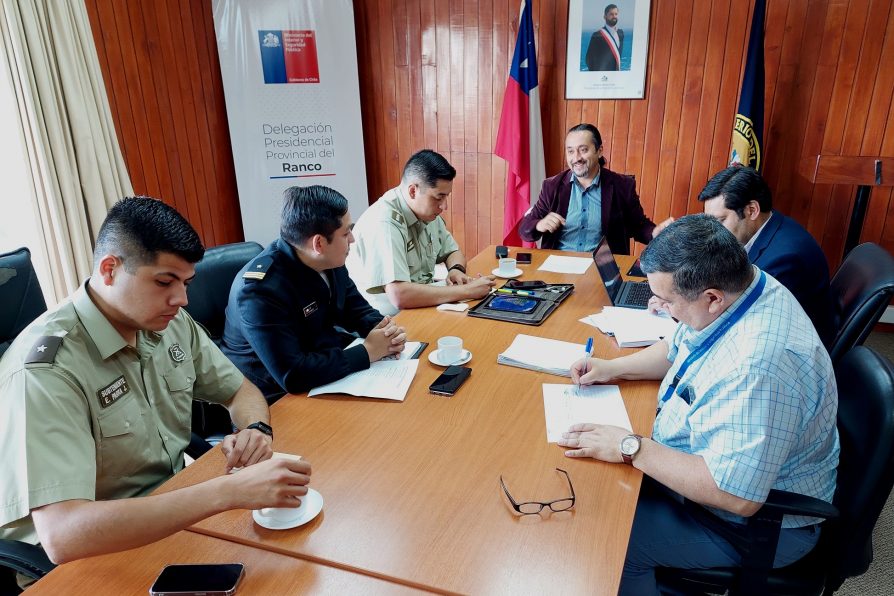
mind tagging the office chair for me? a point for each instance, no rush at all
(208, 295)
(20, 295)
(865, 479)
(859, 292)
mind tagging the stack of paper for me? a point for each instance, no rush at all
(564, 405)
(541, 354)
(411, 350)
(557, 264)
(632, 327)
(385, 379)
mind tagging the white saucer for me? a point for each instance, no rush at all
(434, 359)
(515, 273)
(313, 507)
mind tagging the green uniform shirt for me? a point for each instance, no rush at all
(392, 244)
(83, 415)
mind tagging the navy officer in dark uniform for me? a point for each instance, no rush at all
(292, 309)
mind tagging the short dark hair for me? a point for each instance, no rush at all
(701, 254)
(137, 228)
(597, 138)
(739, 185)
(311, 210)
(429, 167)
(608, 8)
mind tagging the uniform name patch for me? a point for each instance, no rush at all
(310, 309)
(112, 392)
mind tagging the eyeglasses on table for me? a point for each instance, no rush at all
(535, 507)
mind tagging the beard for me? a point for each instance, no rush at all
(611, 22)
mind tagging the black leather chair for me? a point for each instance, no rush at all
(860, 291)
(20, 295)
(209, 291)
(865, 479)
(208, 294)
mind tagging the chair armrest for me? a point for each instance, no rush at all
(197, 446)
(785, 503)
(27, 559)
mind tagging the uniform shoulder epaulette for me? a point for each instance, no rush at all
(257, 269)
(398, 217)
(44, 350)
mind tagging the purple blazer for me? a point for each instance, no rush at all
(622, 214)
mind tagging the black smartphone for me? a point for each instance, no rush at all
(534, 284)
(450, 380)
(502, 252)
(217, 579)
(523, 258)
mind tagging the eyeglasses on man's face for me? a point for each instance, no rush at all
(535, 507)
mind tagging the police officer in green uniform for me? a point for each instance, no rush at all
(401, 237)
(96, 403)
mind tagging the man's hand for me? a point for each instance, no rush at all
(660, 227)
(480, 286)
(588, 371)
(598, 441)
(455, 277)
(274, 483)
(386, 338)
(655, 306)
(550, 223)
(246, 447)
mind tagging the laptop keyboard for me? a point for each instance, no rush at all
(639, 294)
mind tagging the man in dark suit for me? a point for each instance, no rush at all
(741, 200)
(288, 306)
(579, 206)
(604, 51)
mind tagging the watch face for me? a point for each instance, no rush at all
(629, 445)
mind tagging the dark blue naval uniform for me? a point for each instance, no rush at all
(281, 323)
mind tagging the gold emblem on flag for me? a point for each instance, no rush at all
(746, 150)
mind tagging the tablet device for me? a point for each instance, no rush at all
(519, 304)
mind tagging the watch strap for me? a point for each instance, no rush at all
(458, 267)
(261, 426)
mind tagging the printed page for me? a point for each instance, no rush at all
(564, 405)
(557, 264)
(385, 379)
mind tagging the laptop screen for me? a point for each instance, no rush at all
(608, 269)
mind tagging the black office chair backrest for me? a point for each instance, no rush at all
(209, 291)
(866, 468)
(859, 292)
(20, 295)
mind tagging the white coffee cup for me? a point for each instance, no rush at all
(285, 515)
(507, 267)
(450, 349)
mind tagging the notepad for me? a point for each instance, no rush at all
(385, 379)
(564, 405)
(412, 349)
(632, 327)
(542, 355)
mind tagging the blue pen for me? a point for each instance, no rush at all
(588, 352)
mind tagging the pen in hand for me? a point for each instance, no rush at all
(588, 351)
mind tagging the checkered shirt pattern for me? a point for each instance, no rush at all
(763, 403)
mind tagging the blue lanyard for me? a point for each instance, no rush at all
(712, 339)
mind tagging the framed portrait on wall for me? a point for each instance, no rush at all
(608, 44)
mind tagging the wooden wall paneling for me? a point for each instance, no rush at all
(469, 164)
(393, 165)
(470, 75)
(371, 109)
(442, 39)
(429, 58)
(404, 93)
(415, 59)
(486, 126)
(682, 201)
(457, 204)
(671, 126)
(456, 90)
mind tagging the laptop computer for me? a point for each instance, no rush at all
(629, 294)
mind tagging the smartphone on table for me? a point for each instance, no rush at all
(523, 258)
(517, 284)
(450, 380)
(214, 579)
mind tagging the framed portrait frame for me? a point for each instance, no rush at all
(608, 47)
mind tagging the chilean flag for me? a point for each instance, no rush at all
(520, 136)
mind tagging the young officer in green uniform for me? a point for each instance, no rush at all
(96, 403)
(401, 237)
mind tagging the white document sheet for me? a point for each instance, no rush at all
(632, 327)
(541, 354)
(385, 379)
(557, 264)
(564, 405)
(410, 348)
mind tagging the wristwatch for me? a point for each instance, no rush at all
(261, 426)
(457, 266)
(630, 445)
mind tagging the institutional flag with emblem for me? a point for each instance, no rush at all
(748, 136)
(520, 136)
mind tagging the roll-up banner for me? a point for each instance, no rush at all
(293, 101)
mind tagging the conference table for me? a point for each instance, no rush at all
(411, 489)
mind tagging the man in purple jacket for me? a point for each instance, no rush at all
(586, 202)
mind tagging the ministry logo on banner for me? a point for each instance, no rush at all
(289, 56)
